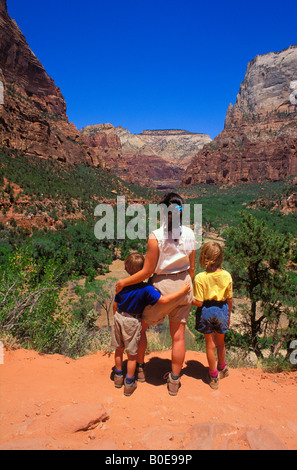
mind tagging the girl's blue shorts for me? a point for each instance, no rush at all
(212, 317)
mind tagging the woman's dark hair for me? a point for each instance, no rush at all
(172, 199)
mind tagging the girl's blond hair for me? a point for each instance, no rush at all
(211, 255)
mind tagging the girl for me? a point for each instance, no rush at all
(212, 292)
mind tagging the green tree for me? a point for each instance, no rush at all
(259, 260)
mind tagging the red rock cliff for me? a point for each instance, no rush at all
(259, 140)
(33, 115)
(128, 157)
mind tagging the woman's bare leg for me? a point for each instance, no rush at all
(142, 344)
(177, 331)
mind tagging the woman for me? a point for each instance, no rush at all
(170, 259)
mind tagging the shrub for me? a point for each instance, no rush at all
(29, 301)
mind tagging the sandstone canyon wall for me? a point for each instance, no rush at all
(152, 158)
(33, 116)
(259, 140)
(177, 146)
(33, 120)
(129, 158)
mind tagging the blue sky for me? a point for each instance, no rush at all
(158, 64)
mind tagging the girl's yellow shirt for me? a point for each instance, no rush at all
(213, 286)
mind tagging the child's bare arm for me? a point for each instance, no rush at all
(165, 299)
(197, 303)
(115, 306)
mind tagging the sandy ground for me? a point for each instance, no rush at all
(52, 402)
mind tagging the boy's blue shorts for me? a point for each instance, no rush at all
(212, 317)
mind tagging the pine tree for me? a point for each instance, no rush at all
(259, 260)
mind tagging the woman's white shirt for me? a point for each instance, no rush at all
(174, 255)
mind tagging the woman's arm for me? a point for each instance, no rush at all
(197, 303)
(192, 264)
(148, 269)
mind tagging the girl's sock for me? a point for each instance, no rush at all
(130, 380)
(118, 372)
(221, 366)
(213, 373)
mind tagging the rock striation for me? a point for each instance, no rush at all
(152, 158)
(259, 139)
(176, 146)
(128, 157)
(33, 116)
(104, 141)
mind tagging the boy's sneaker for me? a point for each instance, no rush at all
(224, 372)
(140, 375)
(213, 382)
(129, 388)
(172, 384)
(118, 380)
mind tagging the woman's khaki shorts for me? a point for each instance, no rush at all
(125, 333)
(179, 309)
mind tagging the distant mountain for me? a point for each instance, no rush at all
(33, 121)
(156, 158)
(176, 146)
(259, 140)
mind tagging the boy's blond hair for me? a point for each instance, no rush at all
(134, 263)
(211, 255)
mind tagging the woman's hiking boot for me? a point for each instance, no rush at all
(172, 384)
(129, 388)
(140, 375)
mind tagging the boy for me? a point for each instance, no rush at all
(128, 306)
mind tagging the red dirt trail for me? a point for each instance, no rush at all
(52, 402)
